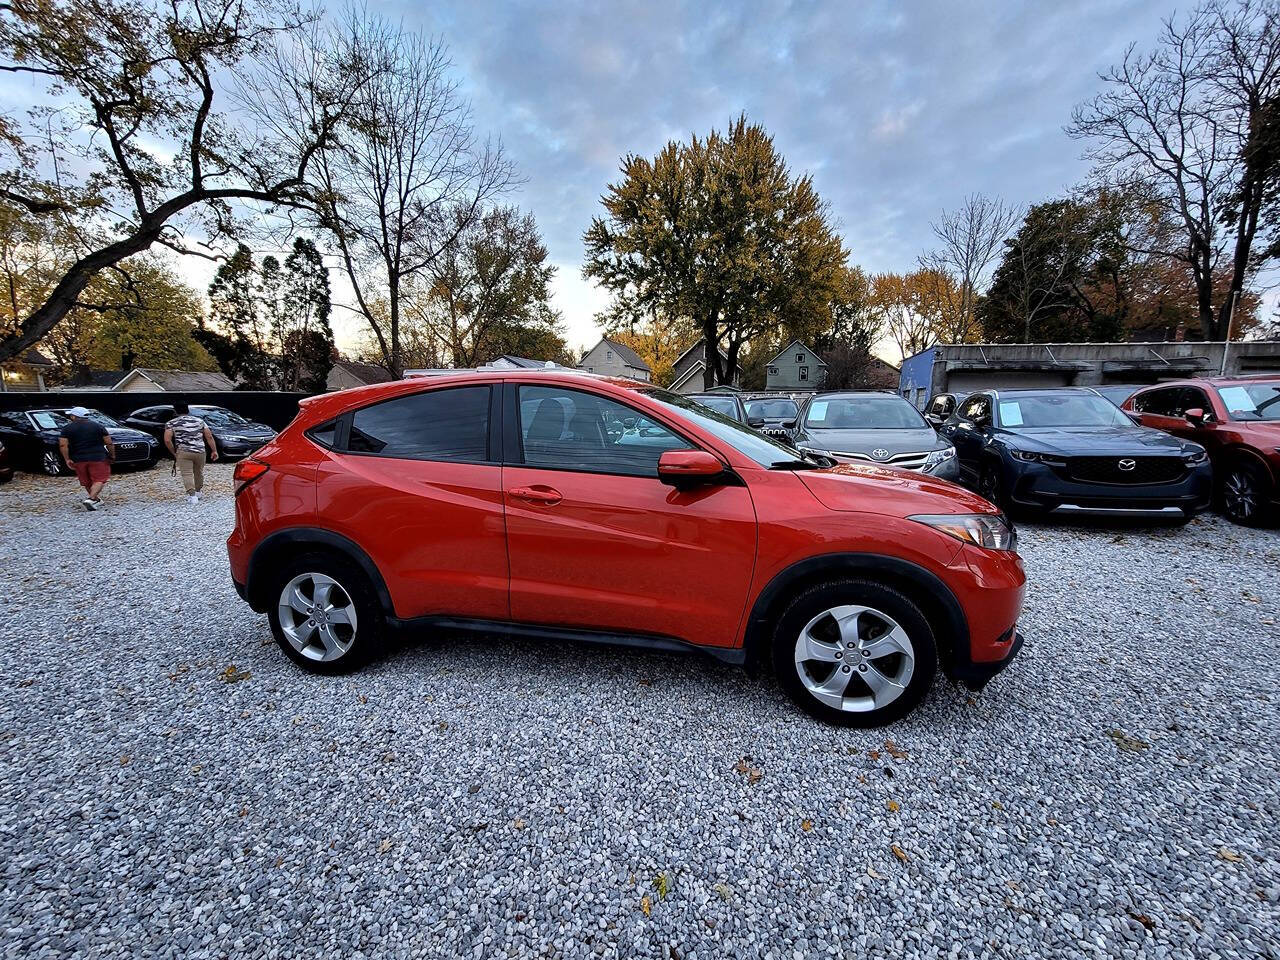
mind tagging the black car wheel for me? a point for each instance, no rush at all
(51, 462)
(990, 485)
(1244, 493)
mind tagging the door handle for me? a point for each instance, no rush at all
(538, 494)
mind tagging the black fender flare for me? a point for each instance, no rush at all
(935, 599)
(290, 540)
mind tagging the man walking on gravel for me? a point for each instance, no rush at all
(187, 436)
(88, 450)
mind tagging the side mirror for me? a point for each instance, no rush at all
(680, 468)
(755, 421)
(1195, 415)
(629, 423)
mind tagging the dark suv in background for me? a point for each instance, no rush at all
(234, 436)
(1068, 451)
(775, 417)
(1238, 421)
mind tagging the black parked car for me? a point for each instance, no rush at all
(874, 427)
(1069, 451)
(32, 439)
(777, 416)
(6, 466)
(234, 436)
(727, 405)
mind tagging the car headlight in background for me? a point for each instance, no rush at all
(1031, 456)
(937, 457)
(989, 530)
(1194, 456)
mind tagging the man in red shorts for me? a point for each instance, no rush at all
(87, 448)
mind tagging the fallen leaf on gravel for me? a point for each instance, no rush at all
(362, 698)
(27, 682)
(1127, 742)
(1229, 855)
(894, 750)
(662, 884)
(871, 872)
(893, 806)
(806, 825)
(753, 774)
(518, 823)
(234, 674)
(899, 852)
(442, 725)
(724, 890)
(646, 905)
(244, 811)
(996, 804)
(873, 754)
(1143, 919)
(384, 846)
(124, 761)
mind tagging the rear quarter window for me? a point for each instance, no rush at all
(448, 424)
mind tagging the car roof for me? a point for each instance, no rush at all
(860, 393)
(1036, 391)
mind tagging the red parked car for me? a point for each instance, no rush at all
(1238, 421)
(556, 504)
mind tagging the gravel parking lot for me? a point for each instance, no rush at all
(171, 785)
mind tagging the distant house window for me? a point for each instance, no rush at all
(804, 373)
(608, 354)
(591, 369)
(799, 358)
(773, 371)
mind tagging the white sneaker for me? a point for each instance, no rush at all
(197, 496)
(88, 503)
(193, 498)
(94, 504)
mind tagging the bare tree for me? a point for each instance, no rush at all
(408, 181)
(1182, 124)
(970, 239)
(141, 136)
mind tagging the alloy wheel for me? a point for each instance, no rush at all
(1241, 494)
(854, 658)
(317, 617)
(52, 463)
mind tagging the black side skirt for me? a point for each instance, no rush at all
(539, 631)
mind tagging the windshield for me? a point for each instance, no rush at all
(48, 419)
(100, 418)
(219, 416)
(1061, 410)
(725, 406)
(1117, 395)
(763, 450)
(869, 412)
(1254, 401)
(779, 408)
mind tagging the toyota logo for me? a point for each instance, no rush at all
(880, 453)
(1127, 465)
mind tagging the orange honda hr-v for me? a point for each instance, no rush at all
(560, 504)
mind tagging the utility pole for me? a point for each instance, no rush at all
(1226, 343)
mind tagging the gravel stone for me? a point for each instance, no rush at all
(1115, 794)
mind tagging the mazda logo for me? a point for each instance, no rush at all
(880, 453)
(1127, 465)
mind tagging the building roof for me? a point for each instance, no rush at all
(34, 358)
(629, 357)
(775, 357)
(366, 373)
(90, 379)
(698, 345)
(179, 379)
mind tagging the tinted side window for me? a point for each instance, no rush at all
(324, 433)
(1162, 403)
(449, 424)
(571, 430)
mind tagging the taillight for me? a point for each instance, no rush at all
(247, 471)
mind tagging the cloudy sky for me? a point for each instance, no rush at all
(897, 109)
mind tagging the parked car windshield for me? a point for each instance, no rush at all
(722, 405)
(1061, 410)
(48, 419)
(763, 450)
(219, 416)
(869, 412)
(1253, 401)
(777, 409)
(98, 417)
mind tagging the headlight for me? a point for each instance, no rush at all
(939, 456)
(989, 530)
(1194, 456)
(1027, 456)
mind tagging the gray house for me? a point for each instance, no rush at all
(687, 373)
(797, 367)
(615, 359)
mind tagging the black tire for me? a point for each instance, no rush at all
(52, 464)
(1244, 492)
(370, 628)
(811, 603)
(991, 484)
